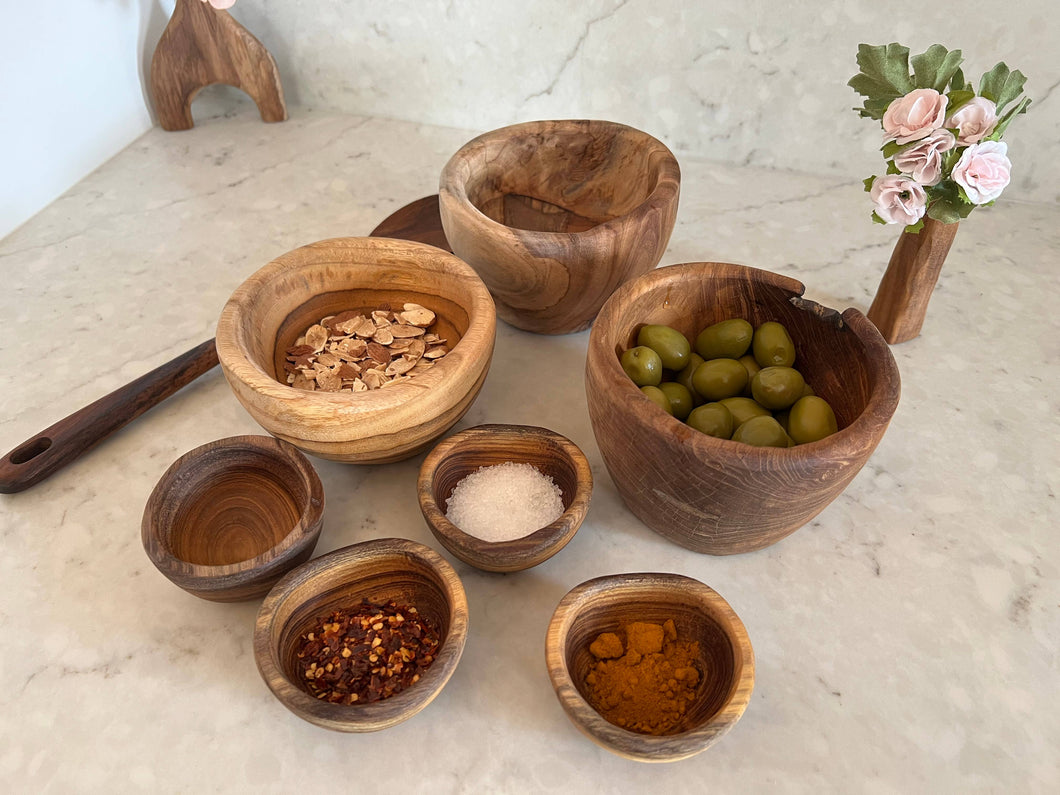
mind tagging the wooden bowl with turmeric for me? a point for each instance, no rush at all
(653, 667)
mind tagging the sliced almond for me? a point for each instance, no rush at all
(378, 353)
(364, 328)
(383, 335)
(400, 366)
(317, 336)
(406, 330)
(373, 379)
(417, 315)
(329, 381)
(436, 352)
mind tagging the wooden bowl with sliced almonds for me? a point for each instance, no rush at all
(360, 350)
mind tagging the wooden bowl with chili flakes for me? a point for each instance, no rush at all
(723, 660)
(404, 578)
(380, 422)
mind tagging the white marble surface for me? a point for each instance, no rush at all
(755, 82)
(907, 639)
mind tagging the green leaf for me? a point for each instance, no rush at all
(957, 98)
(1006, 120)
(868, 183)
(1001, 85)
(943, 211)
(914, 229)
(892, 168)
(890, 149)
(884, 72)
(934, 67)
(876, 219)
(959, 83)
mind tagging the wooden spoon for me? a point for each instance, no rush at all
(53, 448)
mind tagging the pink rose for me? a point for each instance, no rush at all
(221, 3)
(984, 170)
(923, 160)
(899, 200)
(914, 116)
(974, 121)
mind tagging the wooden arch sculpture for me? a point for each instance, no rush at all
(201, 46)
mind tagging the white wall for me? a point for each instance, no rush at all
(70, 95)
(756, 81)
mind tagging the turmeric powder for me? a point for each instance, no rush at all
(645, 682)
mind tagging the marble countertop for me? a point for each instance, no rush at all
(906, 640)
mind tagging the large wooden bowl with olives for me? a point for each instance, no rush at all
(716, 495)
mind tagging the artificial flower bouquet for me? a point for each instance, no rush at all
(941, 139)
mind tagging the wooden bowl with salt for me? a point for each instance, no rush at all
(266, 315)
(464, 453)
(230, 518)
(724, 659)
(554, 215)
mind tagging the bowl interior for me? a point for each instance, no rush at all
(269, 348)
(562, 176)
(233, 505)
(833, 360)
(394, 576)
(491, 448)
(717, 661)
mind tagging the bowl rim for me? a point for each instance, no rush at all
(665, 192)
(299, 405)
(478, 552)
(849, 441)
(216, 576)
(387, 712)
(634, 745)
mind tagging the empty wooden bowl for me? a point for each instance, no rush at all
(554, 215)
(466, 452)
(715, 495)
(276, 305)
(230, 518)
(726, 660)
(387, 569)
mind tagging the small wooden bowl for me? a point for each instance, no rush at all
(607, 604)
(382, 570)
(230, 518)
(714, 495)
(268, 312)
(455, 458)
(554, 215)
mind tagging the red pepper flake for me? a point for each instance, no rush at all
(372, 653)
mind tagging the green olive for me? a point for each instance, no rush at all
(777, 388)
(761, 432)
(685, 376)
(811, 419)
(728, 339)
(712, 419)
(772, 346)
(679, 396)
(717, 379)
(749, 363)
(807, 391)
(658, 397)
(643, 365)
(671, 345)
(743, 408)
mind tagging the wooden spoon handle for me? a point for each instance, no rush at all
(51, 449)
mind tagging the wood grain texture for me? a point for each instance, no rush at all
(230, 518)
(382, 570)
(714, 495)
(203, 45)
(58, 445)
(554, 215)
(607, 604)
(458, 456)
(268, 312)
(901, 302)
(417, 221)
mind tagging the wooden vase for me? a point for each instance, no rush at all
(901, 301)
(201, 46)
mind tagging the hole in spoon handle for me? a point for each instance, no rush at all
(29, 450)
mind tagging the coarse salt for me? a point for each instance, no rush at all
(504, 502)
